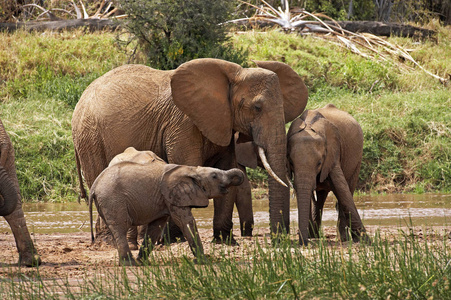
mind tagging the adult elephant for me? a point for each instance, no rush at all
(12, 204)
(188, 116)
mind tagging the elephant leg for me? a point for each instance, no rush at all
(152, 235)
(28, 256)
(317, 213)
(223, 206)
(132, 237)
(222, 218)
(184, 219)
(244, 206)
(142, 229)
(119, 232)
(342, 223)
(346, 205)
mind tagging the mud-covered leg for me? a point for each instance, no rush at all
(28, 256)
(151, 237)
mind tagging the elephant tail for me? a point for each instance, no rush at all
(83, 194)
(92, 198)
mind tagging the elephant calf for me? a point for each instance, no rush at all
(149, 191)
(325, 149)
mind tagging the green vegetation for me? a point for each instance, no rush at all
(401, 266)
(404, 112)
(171, 32)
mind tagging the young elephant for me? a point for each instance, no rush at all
(149, 192)
(325, 149)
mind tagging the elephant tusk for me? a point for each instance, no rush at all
(314, 196)
(262, 155)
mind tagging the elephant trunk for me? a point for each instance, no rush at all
(279, 195)
(235, 176)
(8, 192)
(304, 193)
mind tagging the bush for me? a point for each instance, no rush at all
(171, 32)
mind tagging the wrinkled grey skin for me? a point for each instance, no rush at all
(150, 191)
(188, 116)
(12, 204)
(325, 149)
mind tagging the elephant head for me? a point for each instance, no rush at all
(256, 102)
(314, 150)
(186, 186)
(9, 194)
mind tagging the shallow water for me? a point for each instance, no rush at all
(396, 210)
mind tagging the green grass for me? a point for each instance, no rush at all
(405, 115)
(402, 266)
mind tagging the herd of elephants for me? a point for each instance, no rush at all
(152, 144)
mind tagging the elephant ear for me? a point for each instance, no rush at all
(294, 91)
(200, 89)
(180, 186)
(333, 148)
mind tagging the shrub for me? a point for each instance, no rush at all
(171, 32)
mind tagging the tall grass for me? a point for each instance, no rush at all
(404, 113)
(402, 266)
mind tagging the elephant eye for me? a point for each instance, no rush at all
(258, 107)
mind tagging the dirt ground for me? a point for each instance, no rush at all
(71, 256)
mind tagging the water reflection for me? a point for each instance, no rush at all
(430, 209)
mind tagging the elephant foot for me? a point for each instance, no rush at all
(220, 237)
(246, 229)
(361, 236)
(30, 259)
(128, 262)
(355, 235)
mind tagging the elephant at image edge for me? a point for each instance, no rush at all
(188, 116)
(325, 149)
(12, 204)
(148, 191)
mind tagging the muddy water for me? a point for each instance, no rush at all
(418, 210)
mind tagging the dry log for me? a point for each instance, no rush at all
(373, 27)
(386, 29)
